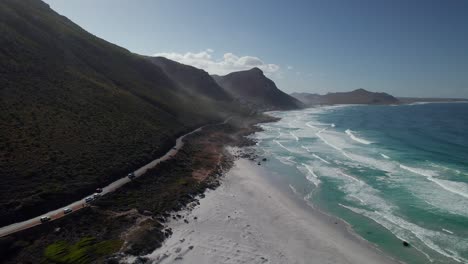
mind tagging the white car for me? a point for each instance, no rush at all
(67, 210)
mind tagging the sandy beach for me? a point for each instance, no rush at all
(250, 220)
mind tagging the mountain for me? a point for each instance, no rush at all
(308, 99)
(253, 88)
(410, 100)
(192, 79)
(359, 96)
(77, 112)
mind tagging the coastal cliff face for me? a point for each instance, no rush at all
(77, 111)
(191, 79)
(359, 96)
(253, 88)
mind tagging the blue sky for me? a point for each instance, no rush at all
(404, 47)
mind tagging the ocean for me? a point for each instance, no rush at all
(393, 173)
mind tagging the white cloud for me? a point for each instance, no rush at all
(290, 67)
(229, 63)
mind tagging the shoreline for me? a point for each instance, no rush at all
(133, 219)
(111, 187)
(234, 215)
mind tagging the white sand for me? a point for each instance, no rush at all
(249, 220)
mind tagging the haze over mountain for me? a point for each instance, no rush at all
(106, 152)
(253, 87)
(192, 79)
(78, 111)
(359, 96)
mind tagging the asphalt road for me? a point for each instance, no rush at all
(80, 204)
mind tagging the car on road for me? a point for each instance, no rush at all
(45, 218)
(131, 175)
(67, 210)
(89, 199)
(96, 196)
(99, 190)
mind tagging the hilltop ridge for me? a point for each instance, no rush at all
(358, 96)
(254, 88)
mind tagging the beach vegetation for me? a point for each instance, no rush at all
(83, 251)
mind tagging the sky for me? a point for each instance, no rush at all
(403, 47)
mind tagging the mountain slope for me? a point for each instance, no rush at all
(253, 87)
(192, 79)
(359, 96)
(77, 112)
(411, 100)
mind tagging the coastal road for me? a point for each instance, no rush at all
(80, 204)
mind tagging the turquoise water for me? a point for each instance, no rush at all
(393, 172)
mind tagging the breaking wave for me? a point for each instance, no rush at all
(353, 137)
(382, 179)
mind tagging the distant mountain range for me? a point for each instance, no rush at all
(254, 88)
(250, 88)
(78, 112)
(361, 96)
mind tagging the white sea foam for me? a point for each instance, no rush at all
(320, 138)
(337, 140)
(294, 136)
(458, 188)
(379, 164)
(313, 124)
(439, 200)
(287, 160)
(309, 124)
(293, 189)
(318, 134)
(315, 155)
(320, 158)
(357, 198)
(451, 186)
(427, 173)
(384, 156)
(426, 236)
(306, 148)
(405, 230)
(349, 176)
(448, 231)
(281, 145)
(311, 176)
(456, 171)
(399, 236)
(353, 137)
(279, 134)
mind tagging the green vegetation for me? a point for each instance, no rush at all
(83, 251)
(165, 188)
(77, 112)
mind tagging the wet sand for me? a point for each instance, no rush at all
(248, 219)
